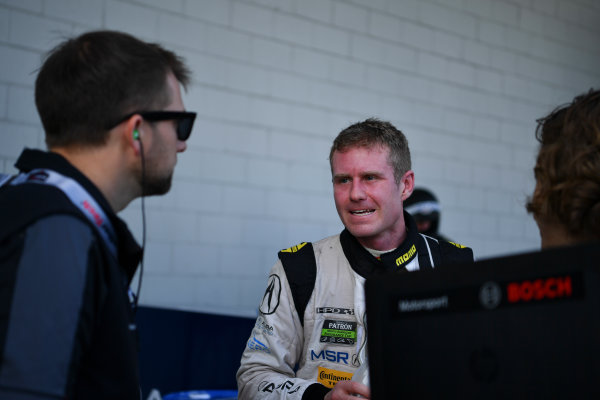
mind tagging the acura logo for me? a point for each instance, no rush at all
(270, 300)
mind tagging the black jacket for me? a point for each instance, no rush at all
(66, 323)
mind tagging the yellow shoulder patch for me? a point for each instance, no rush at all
(460, 246)
(294, 249)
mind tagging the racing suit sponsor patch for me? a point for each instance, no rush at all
(330, 355)
(406, 257)
(255, 344)
(338, 332)
(270, 300)
(270, 387)
(329, 377)
(263, 326)
(335, 310)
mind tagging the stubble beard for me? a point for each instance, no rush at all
(157, 185)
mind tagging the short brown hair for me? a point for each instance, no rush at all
(374, 132)
(567, 170)
(90, 82)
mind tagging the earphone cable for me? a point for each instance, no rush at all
(139, 286)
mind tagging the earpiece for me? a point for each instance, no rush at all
(136, 134)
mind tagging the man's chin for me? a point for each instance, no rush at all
(158, 187)
(359, 231)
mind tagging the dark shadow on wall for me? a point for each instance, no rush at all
(182, 350)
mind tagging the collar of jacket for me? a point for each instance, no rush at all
(129, 251)
(364, 264)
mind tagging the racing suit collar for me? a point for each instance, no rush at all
(366, 265)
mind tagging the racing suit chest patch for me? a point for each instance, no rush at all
(329, 377)
(338, 332)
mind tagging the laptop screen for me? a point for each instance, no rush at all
(523, 326)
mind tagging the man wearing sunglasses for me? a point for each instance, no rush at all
(114, 122)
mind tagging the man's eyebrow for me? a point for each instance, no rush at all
(362, 174)
(371, 173)
(341, 177)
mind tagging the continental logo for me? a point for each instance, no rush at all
(539, 289)
(294, 249)
(406, 256)
(460, 246)
(329, 377)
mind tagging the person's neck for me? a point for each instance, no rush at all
(378, 253)
(103, 168)
(554, 234)
(390, 241)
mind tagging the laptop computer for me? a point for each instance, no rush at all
(525, 326)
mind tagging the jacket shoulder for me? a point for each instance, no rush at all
(22, 205)
(300, 268)
(455, 253)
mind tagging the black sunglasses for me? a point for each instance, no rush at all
(185, 120)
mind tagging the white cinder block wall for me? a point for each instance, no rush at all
(276, 80)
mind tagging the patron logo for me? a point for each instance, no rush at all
(338, 332)
(270, 300)
(539, 289)
(335, 310)
(329, 377)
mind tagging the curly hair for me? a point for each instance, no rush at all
(567, 170)
(374, 132)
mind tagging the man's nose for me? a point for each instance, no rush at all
(357, 191)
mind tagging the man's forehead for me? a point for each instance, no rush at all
(371, 159)
(375, 150)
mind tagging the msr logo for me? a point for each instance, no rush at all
(330, 355)
(539, 289)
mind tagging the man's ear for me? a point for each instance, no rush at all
(132, 133)
(408, 184)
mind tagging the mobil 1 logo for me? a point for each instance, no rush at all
(338, 332)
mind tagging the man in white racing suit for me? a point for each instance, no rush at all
(310, 336)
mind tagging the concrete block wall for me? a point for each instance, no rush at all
(275, 81)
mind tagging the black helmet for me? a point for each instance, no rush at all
(424, 206)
